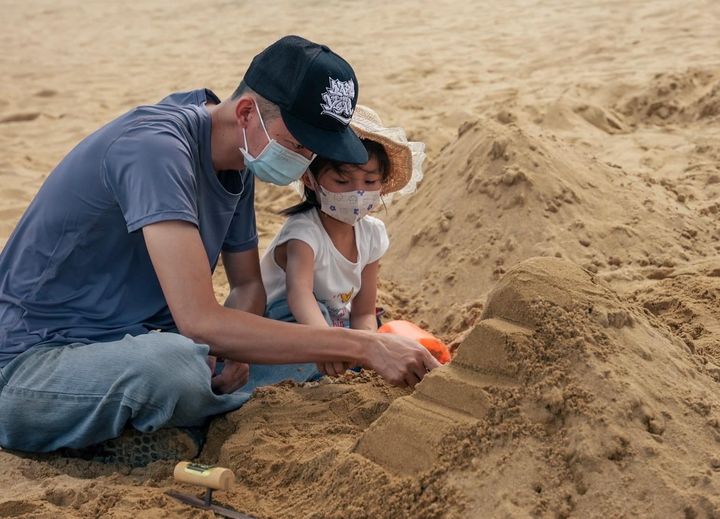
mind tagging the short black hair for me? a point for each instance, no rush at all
(268, 109)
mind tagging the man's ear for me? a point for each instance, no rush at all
(244, 108)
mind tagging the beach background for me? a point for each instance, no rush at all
(582, 132)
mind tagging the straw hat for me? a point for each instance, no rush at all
(405, 157)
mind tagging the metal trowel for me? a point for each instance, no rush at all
(212, 478)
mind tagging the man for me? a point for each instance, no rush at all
(121, 241)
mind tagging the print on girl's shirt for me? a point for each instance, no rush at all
(338, 309)
(347, 296)
(340, 317)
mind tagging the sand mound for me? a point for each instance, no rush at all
(577, 406)
(534, 180)
(503, 193)
(688, 302)
(675, 97)
(291, 447)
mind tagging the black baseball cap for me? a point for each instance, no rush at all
(316, 91)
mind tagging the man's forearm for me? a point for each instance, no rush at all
(246, 337)
(232, 337)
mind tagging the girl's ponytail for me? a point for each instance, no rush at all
(310, 201)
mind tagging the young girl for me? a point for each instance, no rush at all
(321, 269)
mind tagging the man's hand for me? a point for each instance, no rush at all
(333, 369)
(399, 360)
(234, 376)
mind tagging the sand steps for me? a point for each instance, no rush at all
(406, 439)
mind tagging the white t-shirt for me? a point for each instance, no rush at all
(336, 279)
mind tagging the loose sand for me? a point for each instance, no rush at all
(585, 382)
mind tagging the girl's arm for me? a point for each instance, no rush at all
(299, 268)
(362, 316)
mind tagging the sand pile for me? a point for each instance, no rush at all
(532, 180)
(687, 300)
(591, 408)
(565, 400)
(674, 98)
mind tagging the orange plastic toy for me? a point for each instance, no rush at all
(407, 329)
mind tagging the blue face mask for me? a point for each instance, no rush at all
(275, 163)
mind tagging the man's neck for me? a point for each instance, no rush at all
(224, 138)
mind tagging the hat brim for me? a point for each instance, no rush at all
(399, 157)
(342, 146)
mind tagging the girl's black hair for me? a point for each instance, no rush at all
(310, 201)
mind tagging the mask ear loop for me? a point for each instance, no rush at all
(270, 139)
(262, 123)
(382, 199)
(245, 146)
(314, 184)
(315, 187)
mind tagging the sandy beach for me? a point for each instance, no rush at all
(565, 241)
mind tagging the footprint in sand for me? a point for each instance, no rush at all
(11, 213)
(20, 117)
(13, 194)
(46, 92)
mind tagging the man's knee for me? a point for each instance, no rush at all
(168, 364)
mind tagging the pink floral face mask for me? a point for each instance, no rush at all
(347, 206)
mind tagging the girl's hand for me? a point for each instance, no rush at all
(234, 376)
(212, 363)
(333, 369)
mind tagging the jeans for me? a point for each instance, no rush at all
(55, 396)
(80, 394)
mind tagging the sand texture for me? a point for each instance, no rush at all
(565, 242)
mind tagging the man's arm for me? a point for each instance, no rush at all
(182, 267)
(247, 292)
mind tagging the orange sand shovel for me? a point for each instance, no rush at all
(407, 329)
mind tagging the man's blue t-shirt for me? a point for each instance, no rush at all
(76, 268)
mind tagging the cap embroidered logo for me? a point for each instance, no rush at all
(337, 100)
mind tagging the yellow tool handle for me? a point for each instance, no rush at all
(208, 476)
